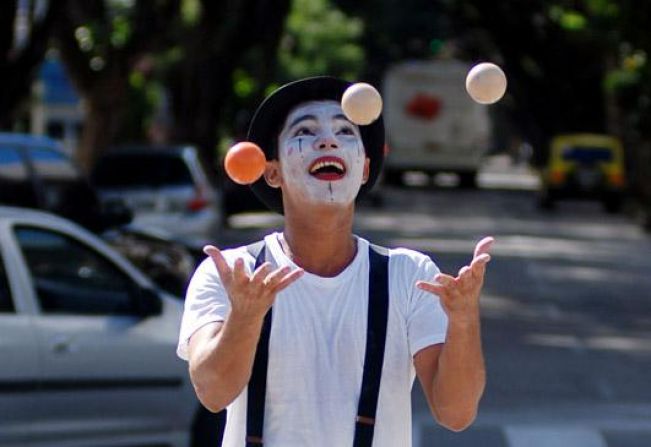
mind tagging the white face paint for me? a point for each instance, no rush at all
(321, 154)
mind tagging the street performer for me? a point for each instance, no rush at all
(314, 336)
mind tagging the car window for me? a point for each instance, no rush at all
(587, 154)
(63, 189)
(51, 164)
(11, 164)
(72, 278)
(6, 302)
(141, 170)
(16, 187)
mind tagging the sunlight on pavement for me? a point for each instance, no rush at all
(553, 437)
(527, 247)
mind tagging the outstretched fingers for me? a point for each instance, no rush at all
(460, 295)
(276, 280)
(481, 257)
(261, 272)
(439, 286)
(478, 265)
(229, 275)
(288, 279)
(273, 278)
(218, 259)
(240, 275)
(483, 246)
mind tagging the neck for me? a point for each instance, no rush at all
(320, 240)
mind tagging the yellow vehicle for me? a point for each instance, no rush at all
(584, 166)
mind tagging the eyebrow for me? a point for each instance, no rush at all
(308, 117)
(302, 118)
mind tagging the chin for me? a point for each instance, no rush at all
(329, 205)
(338, 202)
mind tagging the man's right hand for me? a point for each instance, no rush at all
(251, 296)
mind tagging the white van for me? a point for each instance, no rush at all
(432, 125)
(87, 345)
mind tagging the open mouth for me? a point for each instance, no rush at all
(328, 168)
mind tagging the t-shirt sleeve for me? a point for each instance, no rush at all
(427, 322)
(206, 301)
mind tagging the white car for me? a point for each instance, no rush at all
(166, 187)
(87, 345)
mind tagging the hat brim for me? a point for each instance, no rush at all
(272, 113)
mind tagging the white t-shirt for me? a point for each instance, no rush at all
(317, 346)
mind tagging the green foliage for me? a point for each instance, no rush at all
(568, 19)
(574, 65)
(629, 73)
(145, 97)
(436, 45)
(99, 38)
(190, 11)
(320, 39)
(603, 8)
(244, 85)
(121, 31)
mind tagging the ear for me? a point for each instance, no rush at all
(272, 174)
(367, 170)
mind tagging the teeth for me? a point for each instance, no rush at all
(323, 164)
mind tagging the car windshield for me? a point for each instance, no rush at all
(587, 154)
(11, 165)
(52, 165)
(141, 170)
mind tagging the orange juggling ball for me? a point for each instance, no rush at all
(245, 163)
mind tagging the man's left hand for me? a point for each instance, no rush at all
(460, 295)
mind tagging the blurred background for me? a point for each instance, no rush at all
(116, 115)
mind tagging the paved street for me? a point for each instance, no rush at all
(566, 311)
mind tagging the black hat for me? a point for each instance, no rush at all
(272, 113)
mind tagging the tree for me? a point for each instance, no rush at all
(100, 43)
(395, 30)
(320, 39)
(629, 81)
(108, 47)
(24, 36)
(317, 39)
(213, 47)
(554, 55)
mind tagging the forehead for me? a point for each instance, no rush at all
(319, 109)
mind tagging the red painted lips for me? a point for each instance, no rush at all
(328, 168)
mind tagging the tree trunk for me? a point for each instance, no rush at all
(18, 66)
(203, 83)
(207, 87)
(104, 109)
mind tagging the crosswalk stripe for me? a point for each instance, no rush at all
(527, 436)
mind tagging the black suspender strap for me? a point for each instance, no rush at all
(376, 331)
(378, 311)
(257, 387)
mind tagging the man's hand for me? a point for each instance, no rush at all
(251, 296)
(453, 374)
(460, 295)
(222, 353)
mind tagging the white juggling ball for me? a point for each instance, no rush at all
(361, 103)
(486, 83)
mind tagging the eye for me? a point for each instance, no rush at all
(346, 130)
(303, 131)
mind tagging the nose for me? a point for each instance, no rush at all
(327, 142)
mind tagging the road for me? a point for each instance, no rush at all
(566, 312)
